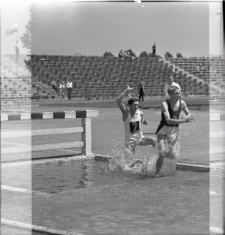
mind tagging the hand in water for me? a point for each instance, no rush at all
(191, 119)
(138, 161)
(145, 122)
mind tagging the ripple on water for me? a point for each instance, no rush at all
(53, 178)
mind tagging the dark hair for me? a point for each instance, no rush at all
(132, 100)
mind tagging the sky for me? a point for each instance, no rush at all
(92, 28)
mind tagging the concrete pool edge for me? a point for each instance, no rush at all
(37, 228)
(99, 157)
(180, 166)
(64, 158)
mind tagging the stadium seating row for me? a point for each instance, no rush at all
(104, 77)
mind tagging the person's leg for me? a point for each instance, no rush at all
(161, 144)
(175, 152)
(55, 88)
(148, 141)
(141, 95)
(173, 143)
(145, 141)
(60, 94)
(129, 154)
(68, 93)
(57, 92)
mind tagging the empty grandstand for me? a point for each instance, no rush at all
(105, 77)
(99, 77)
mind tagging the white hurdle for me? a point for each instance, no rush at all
(85, 129)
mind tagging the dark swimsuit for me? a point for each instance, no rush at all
(173, 115)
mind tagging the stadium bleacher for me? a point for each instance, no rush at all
(104, 78)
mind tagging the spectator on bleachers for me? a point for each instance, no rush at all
(62, 88)
(203, 68)
(175, 73)
(129, 55)
(55, 87)
(125, 54)
(173, 69)
(154, 50)
(121, 54)
(211, 66)
(196, 69)
(69, 86)
(170, 83)
(141, 91)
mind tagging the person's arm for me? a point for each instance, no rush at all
(143, 121)
(186, 110)
(143, 88)
(165, 90)
(121, 96)
(173, 121)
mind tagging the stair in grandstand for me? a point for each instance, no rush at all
(15, 84)
(99, 77)
(212, 71)
(111, 75)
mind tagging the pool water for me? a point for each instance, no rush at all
(65, 175)
(69, 175)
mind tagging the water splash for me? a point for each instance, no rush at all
(124, 161)
(121, 160)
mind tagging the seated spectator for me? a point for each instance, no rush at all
(129, 55)
(125, 54)
(121, 54)
(196, 69)
(211, 65)
(170, 83)
(212, 68)
(173, 69)
(202, 67)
